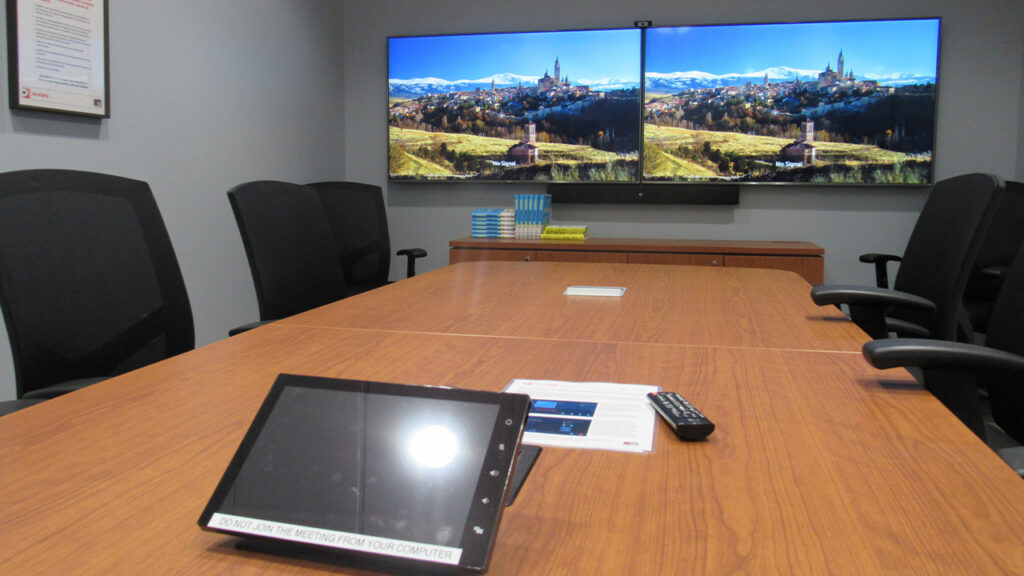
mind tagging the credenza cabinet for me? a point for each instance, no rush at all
(804, 258)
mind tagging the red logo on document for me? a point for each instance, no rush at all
(26, 93)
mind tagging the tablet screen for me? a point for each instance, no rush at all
(409, 472)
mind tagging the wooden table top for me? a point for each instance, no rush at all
(678, 305)
(819, 463)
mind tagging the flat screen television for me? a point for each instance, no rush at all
(668, 114)
(541, 106)
(818, 102)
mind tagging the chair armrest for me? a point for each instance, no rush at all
(246, 327)
(12, 406)
(996, 272)
(881, 270)
(950, 371)
(412, 254)
(868, 295)
(939, 354)
(61, 388)
(868, 304)
(905, 329)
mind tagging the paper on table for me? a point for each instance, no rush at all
(599, 415)
(613, 291)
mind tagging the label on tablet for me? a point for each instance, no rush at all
(335, 539)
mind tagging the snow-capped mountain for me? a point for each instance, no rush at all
(900, 79)
(678, 81)
(670, 83)
(415, 87)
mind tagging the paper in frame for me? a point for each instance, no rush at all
(58, 56)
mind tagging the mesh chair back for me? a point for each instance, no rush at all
(943, 246)
(1004, 333)
(290, 248)
(1005, 235)
(359, 222)
(89, 282)
(1006, 232)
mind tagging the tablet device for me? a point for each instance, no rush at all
(371, 473)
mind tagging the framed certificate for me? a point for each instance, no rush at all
(58, 57)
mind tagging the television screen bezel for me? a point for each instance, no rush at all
(826, 185)
(638, 113)
(648, 191)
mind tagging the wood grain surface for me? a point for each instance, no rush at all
(819, 463)
(804, 258)
(648, 245)
(690, 305)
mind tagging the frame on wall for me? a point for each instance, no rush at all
(58, 56)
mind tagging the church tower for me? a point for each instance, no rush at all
(807, 131)
(839, 71)
(558, 74)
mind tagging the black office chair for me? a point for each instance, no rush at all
(954, 371)
(928, 290)
(89, 283)
(1005, 235)
(291, 251)
(12, 406)
(359, 223)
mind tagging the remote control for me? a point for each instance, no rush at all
(686, 421)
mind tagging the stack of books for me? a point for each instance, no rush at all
(564, 232)
(494, 223)
(533, 212)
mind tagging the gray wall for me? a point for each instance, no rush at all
(980, 109)
(206, 95)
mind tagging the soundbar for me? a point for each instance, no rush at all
(632, 193)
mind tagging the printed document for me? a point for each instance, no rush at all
(599, 415)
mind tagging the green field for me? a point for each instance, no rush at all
(421, 154)
(659, 163)
(674, 154)
(651, 96)
(681, 154)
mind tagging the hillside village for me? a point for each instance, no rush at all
(772, 108)
(499, 111)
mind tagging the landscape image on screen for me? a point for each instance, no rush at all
(554, 106)
(829, 102)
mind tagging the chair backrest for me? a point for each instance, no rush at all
(290, 248)
(943, 246)
(89, 282)
(1004, 333)
(359, 222)
(1004, 236)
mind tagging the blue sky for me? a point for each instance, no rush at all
(870, 48)
(589, 54)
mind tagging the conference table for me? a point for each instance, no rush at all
(819, 464)
(681, 305)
